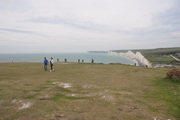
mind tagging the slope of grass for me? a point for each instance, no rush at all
(161, 55)
(87, 91)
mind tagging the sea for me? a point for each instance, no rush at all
(104, 58)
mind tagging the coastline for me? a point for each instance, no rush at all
(104, 58)
(138, 57)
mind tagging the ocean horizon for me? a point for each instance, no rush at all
(104, 58)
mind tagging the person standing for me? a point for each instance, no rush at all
(12, 59)
(45, 63)
(51, 64)
(92, 60)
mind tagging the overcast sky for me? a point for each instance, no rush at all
(28, 26)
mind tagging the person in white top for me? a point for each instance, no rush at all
(51, 64)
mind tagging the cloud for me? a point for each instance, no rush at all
(21, 31)
(172, 15)
(68, 22)
(14, 30)
(124, 14)
(68, 25)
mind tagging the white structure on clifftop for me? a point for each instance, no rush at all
(138, 56)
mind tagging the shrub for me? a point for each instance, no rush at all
(174, 74)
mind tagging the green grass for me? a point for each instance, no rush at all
(40, 89)
(60, 97)
(96, 91)
(159, 55)
(32, 96)
(169, 91)
(162, 55)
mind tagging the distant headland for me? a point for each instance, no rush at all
(97, 51)
(159, 57)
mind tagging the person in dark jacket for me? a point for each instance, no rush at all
(51, 64)
(45, 63)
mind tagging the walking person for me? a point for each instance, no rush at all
(45, 63)
(51, 64)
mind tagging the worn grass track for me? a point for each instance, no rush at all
(87, 92)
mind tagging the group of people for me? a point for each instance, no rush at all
(51, 62)
(46, 62)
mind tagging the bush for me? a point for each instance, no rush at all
(174, 74)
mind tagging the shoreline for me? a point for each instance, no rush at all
(61, 63)
(104, 58)
(138, 57)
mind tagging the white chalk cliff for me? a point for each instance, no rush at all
(138, 56)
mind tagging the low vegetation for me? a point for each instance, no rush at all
(174, 74)
(87, 92)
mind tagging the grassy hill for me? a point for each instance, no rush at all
(159, 55)
(87, 92)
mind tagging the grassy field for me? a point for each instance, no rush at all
(87, 92)
(161, 55)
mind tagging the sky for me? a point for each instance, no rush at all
(45, 26)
